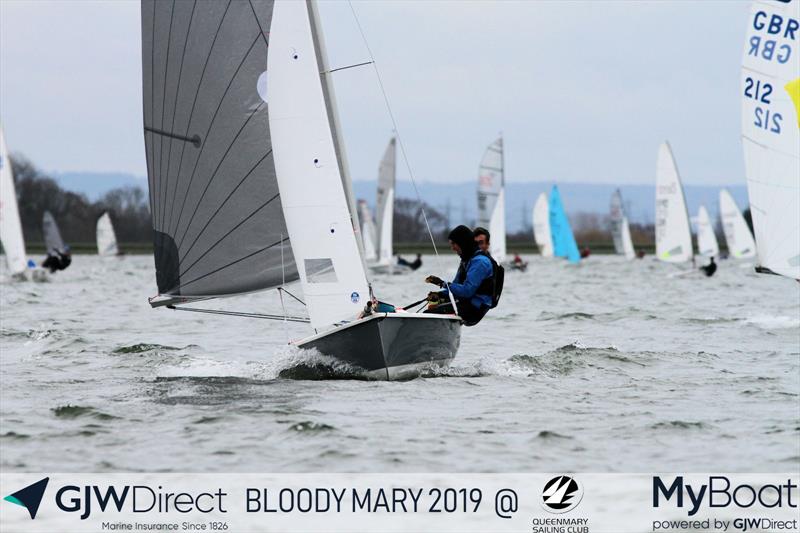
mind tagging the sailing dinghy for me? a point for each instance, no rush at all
(384, 211)
(10, 224)
(620, 229)
(706, 239)
(564, 244)
(737, 235)
(249, 185)
(491, 198)
(541, 226)
(771, 133)
(367, 232)
(106, 238)
(673, 233)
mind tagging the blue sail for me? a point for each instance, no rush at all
(564, 244)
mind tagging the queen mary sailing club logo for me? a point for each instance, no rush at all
(561, 494)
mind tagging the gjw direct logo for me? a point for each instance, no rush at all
(561, 494)
(30, 497)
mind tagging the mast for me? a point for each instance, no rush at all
(329, 94)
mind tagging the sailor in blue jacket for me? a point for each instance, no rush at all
(473, 285)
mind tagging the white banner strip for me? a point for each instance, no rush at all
(538, 503)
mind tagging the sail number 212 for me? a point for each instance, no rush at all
(760, 92)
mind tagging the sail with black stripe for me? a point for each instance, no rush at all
(218, 223)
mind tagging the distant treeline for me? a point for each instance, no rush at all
(129, 209)
(75, 214)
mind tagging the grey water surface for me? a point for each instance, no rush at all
(609, 366)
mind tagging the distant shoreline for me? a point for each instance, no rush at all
(409, 248)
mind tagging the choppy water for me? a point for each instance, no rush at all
(609, 366)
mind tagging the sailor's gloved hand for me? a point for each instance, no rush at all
(436, 281)
(434, 297)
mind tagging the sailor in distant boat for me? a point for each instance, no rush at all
(413, 265)
(57, 259)
(477, 285)
(710, 268)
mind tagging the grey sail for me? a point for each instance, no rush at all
(52, 236)
(218, 225)
(617, 215)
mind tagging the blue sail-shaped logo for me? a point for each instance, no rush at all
(564, 244)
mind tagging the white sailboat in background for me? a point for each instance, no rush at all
(367, 232)
(673, 233)
(10, 224)
(541, 226)
(106, 237)
(620, 229)
(384, 208)
(771, 134)
(263, 178)
(706, 238)
(737, 235)
(491, 198)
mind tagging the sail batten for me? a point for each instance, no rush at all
(219, 227)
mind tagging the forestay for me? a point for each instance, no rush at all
(706, 239)
(52, 235)
(564, 244)
(737, 235)
(673, 234)
(218, 224)
(387, 173)
(308, 169)
(541, 226)
(10, 224)
(491, 198)
(106, 238)
(770, 86)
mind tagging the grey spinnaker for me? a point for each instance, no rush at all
(52, 236)
(218, 225)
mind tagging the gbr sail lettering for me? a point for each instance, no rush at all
(772, 41)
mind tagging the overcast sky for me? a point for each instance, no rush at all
(582, 91)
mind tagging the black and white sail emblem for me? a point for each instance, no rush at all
(561, 494)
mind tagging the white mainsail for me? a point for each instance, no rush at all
(367, 232)
(771, 133)
(307, 165)
(491, 198)
(673, 234)
(385, 203)
(541, 226)
(737, 235)
(620, 231)
(106, 238)
(10, 224)
(706, 239)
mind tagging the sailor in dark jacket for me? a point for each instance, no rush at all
(473, 285)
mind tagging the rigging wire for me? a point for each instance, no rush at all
(402, 145)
